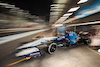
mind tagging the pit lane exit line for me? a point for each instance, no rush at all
(18, 61)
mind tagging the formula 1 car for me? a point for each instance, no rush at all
(32, 49)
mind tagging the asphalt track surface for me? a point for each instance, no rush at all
(74, 56)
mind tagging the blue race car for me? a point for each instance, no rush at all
(70, 38)
(32, 49)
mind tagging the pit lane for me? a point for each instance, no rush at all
(74, 56)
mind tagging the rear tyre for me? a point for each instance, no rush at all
(87, 42)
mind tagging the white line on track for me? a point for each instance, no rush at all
(92, 50)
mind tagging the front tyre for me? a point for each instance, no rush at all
(51, 48)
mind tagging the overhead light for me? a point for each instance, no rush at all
(61, 1)
(58, 10)
(4, 4)
(58, 25)
(68, 14)
(54, 5)
(74, 9)
(10, 6)
(82, 1)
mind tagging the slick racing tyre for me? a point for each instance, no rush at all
(51, 48)
(87, 42)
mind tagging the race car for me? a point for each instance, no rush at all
(33, 49)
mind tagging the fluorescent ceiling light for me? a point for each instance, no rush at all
(61, 1)
(54, 5)
(68, 14)
(62, 6)
(55, 13)
(58, 25)
(16, 8)
(10, 6)
(82, 1)
(74, 9)
(59, 10)
(59, 6)
(4, 4)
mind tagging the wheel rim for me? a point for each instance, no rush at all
(52, 48)
(89, 41)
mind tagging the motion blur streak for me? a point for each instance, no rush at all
(18, 61)
(17, 36)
